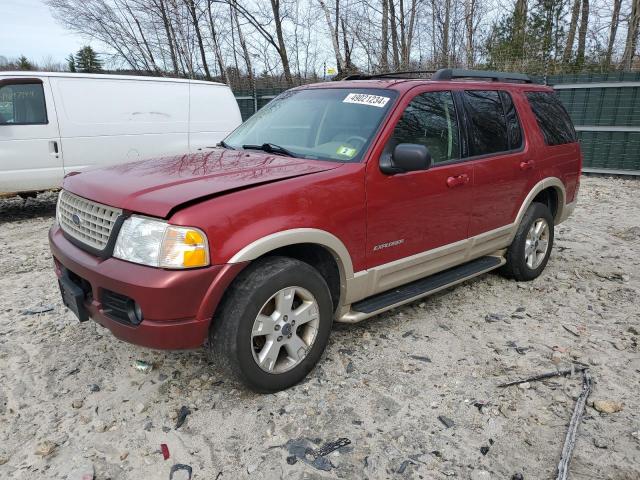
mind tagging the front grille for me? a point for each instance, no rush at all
(89, 222)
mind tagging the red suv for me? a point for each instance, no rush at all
(335, 201)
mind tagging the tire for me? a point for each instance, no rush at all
(519, 265)
(238, 339)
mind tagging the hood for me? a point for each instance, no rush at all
(156, 187)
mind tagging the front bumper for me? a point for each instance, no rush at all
(177, 305)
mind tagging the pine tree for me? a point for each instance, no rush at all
(87, 61)
(71, 63)
(24, 63)
(528, 41)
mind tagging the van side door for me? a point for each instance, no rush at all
(30, 150)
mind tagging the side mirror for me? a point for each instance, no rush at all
(406, 157)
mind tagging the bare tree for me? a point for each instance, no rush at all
(384, 47)
(613, 30)
(582, 33)
(191, 7)
(632, 36)
(469, 14)
(334, 33)
(276, 40)
(571, 35)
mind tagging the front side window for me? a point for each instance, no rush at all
(488, 125)
(22, 104)
(553, 119)
(430, 120)
(320, 123)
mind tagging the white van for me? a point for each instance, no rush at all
(55, 123)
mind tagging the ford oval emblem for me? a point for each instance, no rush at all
(76, 219)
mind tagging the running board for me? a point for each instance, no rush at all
(384, 301)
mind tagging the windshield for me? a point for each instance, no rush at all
(327, 124)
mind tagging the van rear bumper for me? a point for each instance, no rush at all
(177, 305)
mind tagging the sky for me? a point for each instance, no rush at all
(28, 28)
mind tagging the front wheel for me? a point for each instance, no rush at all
(528, 254)
(273, 325)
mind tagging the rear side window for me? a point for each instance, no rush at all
(430, 120)
(553, 119)
(22, 104)
(488, 124)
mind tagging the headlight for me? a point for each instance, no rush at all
(156, 243)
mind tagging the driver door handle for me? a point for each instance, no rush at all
(457, 180)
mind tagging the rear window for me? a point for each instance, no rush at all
(488, 133)
(553, 119)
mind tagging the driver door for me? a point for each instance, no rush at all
(409, 215)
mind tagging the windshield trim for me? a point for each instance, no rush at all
(393, 94)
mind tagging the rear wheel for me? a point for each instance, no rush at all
(528, 254)
(273, 325)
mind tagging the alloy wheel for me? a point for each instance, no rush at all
(285, 329)
(537, 243)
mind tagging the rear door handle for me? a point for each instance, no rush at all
(53, 148)
(526, 165)
(457, 180)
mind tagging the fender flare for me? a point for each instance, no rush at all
(549, 182)
(286, 238)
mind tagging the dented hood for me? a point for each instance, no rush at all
(158, 186)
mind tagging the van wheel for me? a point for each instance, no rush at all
(273, 325)
(529, 252)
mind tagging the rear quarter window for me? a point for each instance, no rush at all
(553, 120)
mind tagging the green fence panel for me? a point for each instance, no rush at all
(612, 112)
(248, 99)
(606, 116)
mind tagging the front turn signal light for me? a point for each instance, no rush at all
(184, 247)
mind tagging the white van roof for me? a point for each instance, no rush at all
(28, 73)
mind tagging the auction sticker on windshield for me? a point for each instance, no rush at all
(366, 99)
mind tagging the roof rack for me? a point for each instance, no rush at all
(453, 73)
(448, 74)
(366, 76)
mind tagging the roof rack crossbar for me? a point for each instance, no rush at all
(445, 74)
(453, 73)
(364, 76)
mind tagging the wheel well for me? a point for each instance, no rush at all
(319, 258)
(548, 197)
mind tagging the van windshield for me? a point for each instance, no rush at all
(326, 124)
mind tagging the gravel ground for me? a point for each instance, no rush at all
(72, 401)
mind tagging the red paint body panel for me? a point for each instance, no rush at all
(501, 182)
(418, 208)
(176, 313)
(235, 220)
(561, 161)
(156, 187)
(238, 197)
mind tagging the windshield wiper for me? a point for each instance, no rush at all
(224, 144)
(270, 148)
